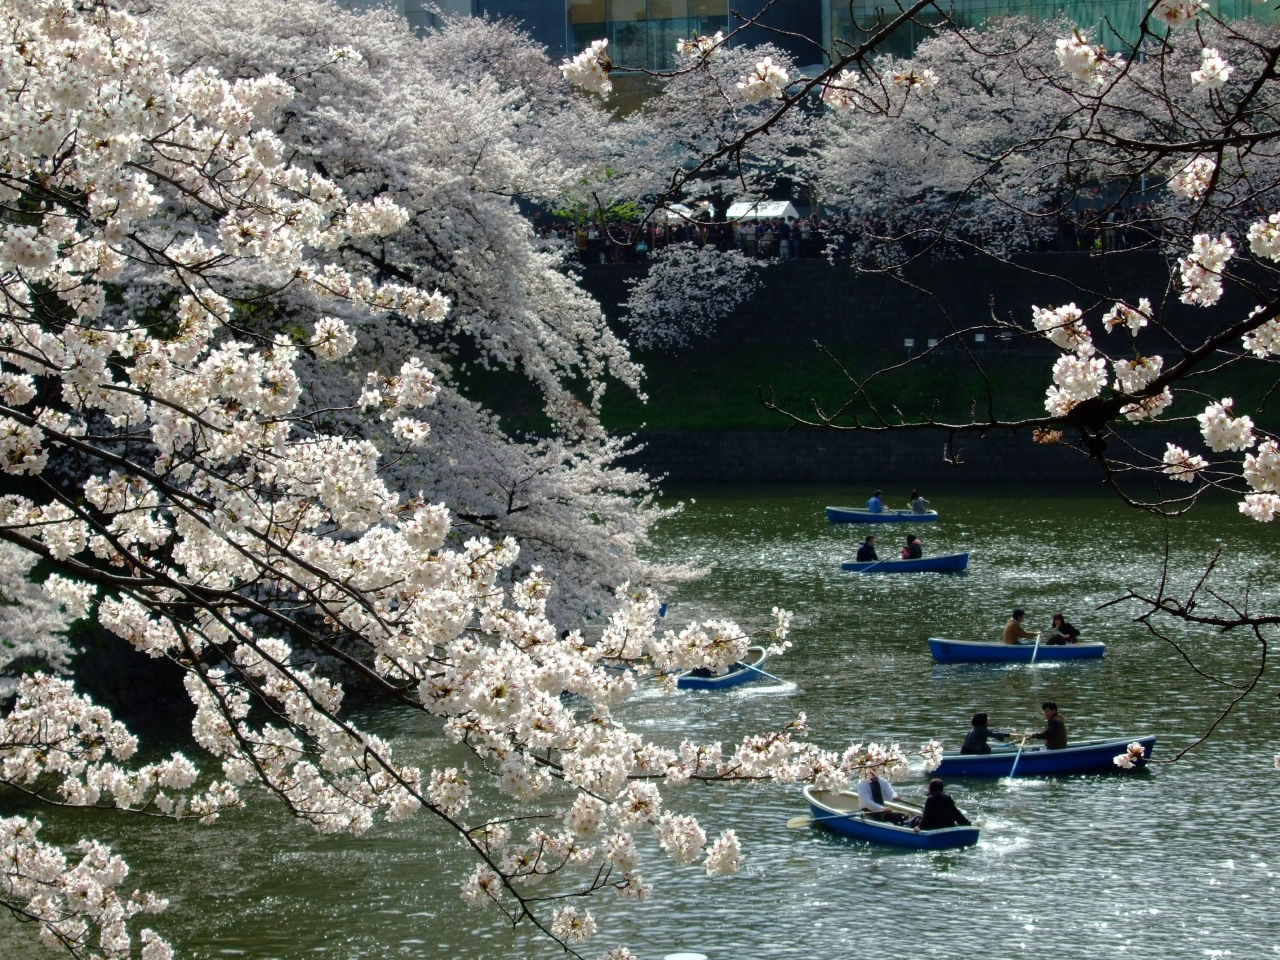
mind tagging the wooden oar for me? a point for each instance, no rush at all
(798, 823)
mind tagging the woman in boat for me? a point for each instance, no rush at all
(918, 504)
(867, 551)
(939, 811)
(875, 504)
(1063, 632)
(1014, 631)
(914, 549)
(975, 740)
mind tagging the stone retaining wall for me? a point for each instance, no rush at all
(909, 457)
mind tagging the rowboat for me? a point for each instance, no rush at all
(744, 671)
(839, 812)
(1088, 756)
(947, 563)
(972, 651)
(859, 515)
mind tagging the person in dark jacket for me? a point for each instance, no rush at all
(939, 811)
(867, 551)
(914, 549)
(1063, 632)
(1054, 733)
(975, 740)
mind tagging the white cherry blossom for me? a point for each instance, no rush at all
(1182, 464)
(590, 68)
(1192, 181)
(767, 80)
(1214, 70)
(1222, 431)
(1201, 270)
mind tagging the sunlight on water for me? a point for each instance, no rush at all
(1164, 865)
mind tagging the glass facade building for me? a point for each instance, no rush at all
(643, 33)
(1112, 22)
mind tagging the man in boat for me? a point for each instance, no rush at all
(874, 791)
(867, 552)
(1014, 632)
(918, 504)
(914, 549)
(1054, 733)
(939, 811)
(975, 740)
(1063, 632)
(875, 504)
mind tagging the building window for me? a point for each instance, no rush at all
(643, 33)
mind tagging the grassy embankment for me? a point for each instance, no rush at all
(717, 386)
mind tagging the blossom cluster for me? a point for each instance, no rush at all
(843, 91)
(1201, 270)
(1087, 63)
(590, 68)
(1214, 70)
(768, 80)
(1178, 13)
(79, 906)
(1192, 181)
(697, 47)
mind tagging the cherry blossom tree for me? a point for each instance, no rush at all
(687, 291)
(452, 127)
(35, 618)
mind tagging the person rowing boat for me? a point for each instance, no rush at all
(1054, 733)
(1014, 632)
(867, 552)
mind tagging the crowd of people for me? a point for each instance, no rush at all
(948, 233)
(621, 242)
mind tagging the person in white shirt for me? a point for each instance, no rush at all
(873, 793)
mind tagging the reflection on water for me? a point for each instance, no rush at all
(1173, 863)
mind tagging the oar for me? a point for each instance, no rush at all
(873, 566)
(1036, 648)
(765, 672)
(1014, 769)
(798, 823)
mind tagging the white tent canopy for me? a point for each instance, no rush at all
(762, 210)
(675, 212)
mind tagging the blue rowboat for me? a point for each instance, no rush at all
(947, 563)
(839, 812)
(738, 673)
(858, 515)
(970, 651)
(1088, 756)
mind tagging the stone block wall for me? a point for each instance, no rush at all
(812, 456)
